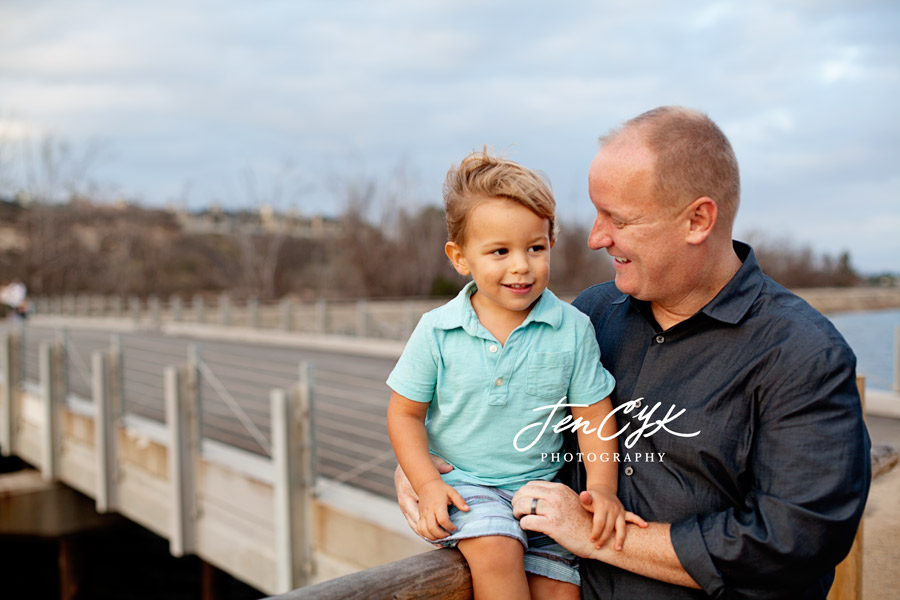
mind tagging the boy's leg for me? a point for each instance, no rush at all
(544, 588)
(496, 563)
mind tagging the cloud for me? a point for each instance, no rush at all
(201, 90)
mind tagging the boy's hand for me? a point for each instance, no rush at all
(609, 515)
(434, 519)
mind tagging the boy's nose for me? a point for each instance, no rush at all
(519, 263)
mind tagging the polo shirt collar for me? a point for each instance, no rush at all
(460, 312)
(735, 299)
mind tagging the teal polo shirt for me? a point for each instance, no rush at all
(482, 394)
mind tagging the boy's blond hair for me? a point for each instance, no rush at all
(480, 177)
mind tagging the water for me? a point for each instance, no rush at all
(871, 334)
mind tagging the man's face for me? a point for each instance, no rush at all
(645, 241)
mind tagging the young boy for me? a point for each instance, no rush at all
(479, 382)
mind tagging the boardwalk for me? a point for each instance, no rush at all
(209, 443)
(350, 399)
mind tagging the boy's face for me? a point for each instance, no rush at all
(507, 252)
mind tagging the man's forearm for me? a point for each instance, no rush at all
(559, 513)
(648, 552)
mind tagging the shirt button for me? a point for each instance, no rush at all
(499, 381)
(637, 403)
(629, 470)
(660, 339)
(492, 348)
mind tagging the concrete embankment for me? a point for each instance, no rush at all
(832, 300)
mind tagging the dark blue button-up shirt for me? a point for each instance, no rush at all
(765, 474)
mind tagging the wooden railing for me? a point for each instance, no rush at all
(435, 575)
(443, 574)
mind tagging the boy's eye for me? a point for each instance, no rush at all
(538, 248)
(500, 251)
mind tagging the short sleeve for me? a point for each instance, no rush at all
(591, 382)
(415, 374)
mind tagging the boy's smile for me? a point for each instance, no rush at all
(507, 252)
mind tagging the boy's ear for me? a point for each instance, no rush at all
(455, 254)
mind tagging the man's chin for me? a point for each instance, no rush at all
(623, 286)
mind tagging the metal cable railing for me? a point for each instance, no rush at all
(234, 384)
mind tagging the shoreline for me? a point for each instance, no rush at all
(836, 300)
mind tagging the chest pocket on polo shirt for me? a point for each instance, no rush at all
(548, 374)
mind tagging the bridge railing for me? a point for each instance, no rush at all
(378, 319)
(444, 575)
(436, 575)
(263, 517)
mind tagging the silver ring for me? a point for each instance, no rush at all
(534, 506)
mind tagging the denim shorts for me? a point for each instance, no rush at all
(490, 513)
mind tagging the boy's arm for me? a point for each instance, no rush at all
(406, 428)
(602, 476)
(604, 473)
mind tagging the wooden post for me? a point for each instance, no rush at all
(253, 312)
(321, 315)
(848, 575)
(184, 439)
(134, 307)
(105, 431)
(68, 305)
(9, 362)
(51, 376)
(362, 318)
(175, 308)
(410, 319)
(897, 359)
(153, 307)
(199, 309)
(292, 457)
(224, 310)
(287, 315)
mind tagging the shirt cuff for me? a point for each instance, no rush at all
(694, 556)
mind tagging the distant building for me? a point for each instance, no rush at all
(216, 220)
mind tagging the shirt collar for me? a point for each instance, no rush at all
(734, 300)
(460, 312)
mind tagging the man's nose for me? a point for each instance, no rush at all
(599, 237)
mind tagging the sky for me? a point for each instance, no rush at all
(295, 103)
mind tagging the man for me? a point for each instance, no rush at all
(741, 434)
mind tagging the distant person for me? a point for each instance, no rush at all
(481, 375)
(15, 296)
(764, 496)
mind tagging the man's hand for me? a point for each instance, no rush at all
(609, 515)
(559, 515)
(406, 495)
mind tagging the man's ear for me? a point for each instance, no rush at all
(455, 254)
(702, 214)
